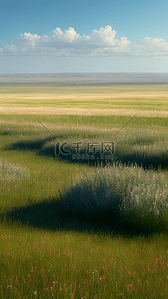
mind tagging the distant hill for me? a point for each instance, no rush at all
(87, 78)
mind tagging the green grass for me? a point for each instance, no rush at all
(53, 245)
(69, 264)
(144, 97)
(79, 120)
(117, 192)
(11, 172)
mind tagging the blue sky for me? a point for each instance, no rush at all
(38, 36)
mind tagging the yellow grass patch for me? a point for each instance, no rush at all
(80, 96)
(79, 111)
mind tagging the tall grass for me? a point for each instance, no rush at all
(118, 192)
(74, 230)
(11, 172)
(40, 264)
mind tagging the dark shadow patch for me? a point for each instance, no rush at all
(46, 147)
(147, 161)
(48, 215)
(51, 216)
(31, 144)
(6, 133)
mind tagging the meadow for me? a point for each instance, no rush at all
(83, 228)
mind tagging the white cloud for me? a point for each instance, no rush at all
(70, 34)
(30, 38)
(104, 36)
(57, 32)
(9, 50)
(149, 46)
(101, 43)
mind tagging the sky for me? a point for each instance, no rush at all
(38, 36)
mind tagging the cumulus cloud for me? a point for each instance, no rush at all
(101, 43)
(8, 50)
(155, 45)
(28, 38)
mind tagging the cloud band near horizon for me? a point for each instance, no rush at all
(101, 43)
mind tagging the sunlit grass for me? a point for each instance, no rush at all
(97, 97)
(46, 253)
(40, 264)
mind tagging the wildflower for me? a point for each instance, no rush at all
(35, 292)
(130, 285)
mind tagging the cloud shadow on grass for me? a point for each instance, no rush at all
(31, 145)
(46, 147)
(49, 215)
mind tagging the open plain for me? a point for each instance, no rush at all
(53, 245)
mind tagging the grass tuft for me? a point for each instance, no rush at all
(11, 172)
(120, 195)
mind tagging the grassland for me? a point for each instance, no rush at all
(47, 249)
